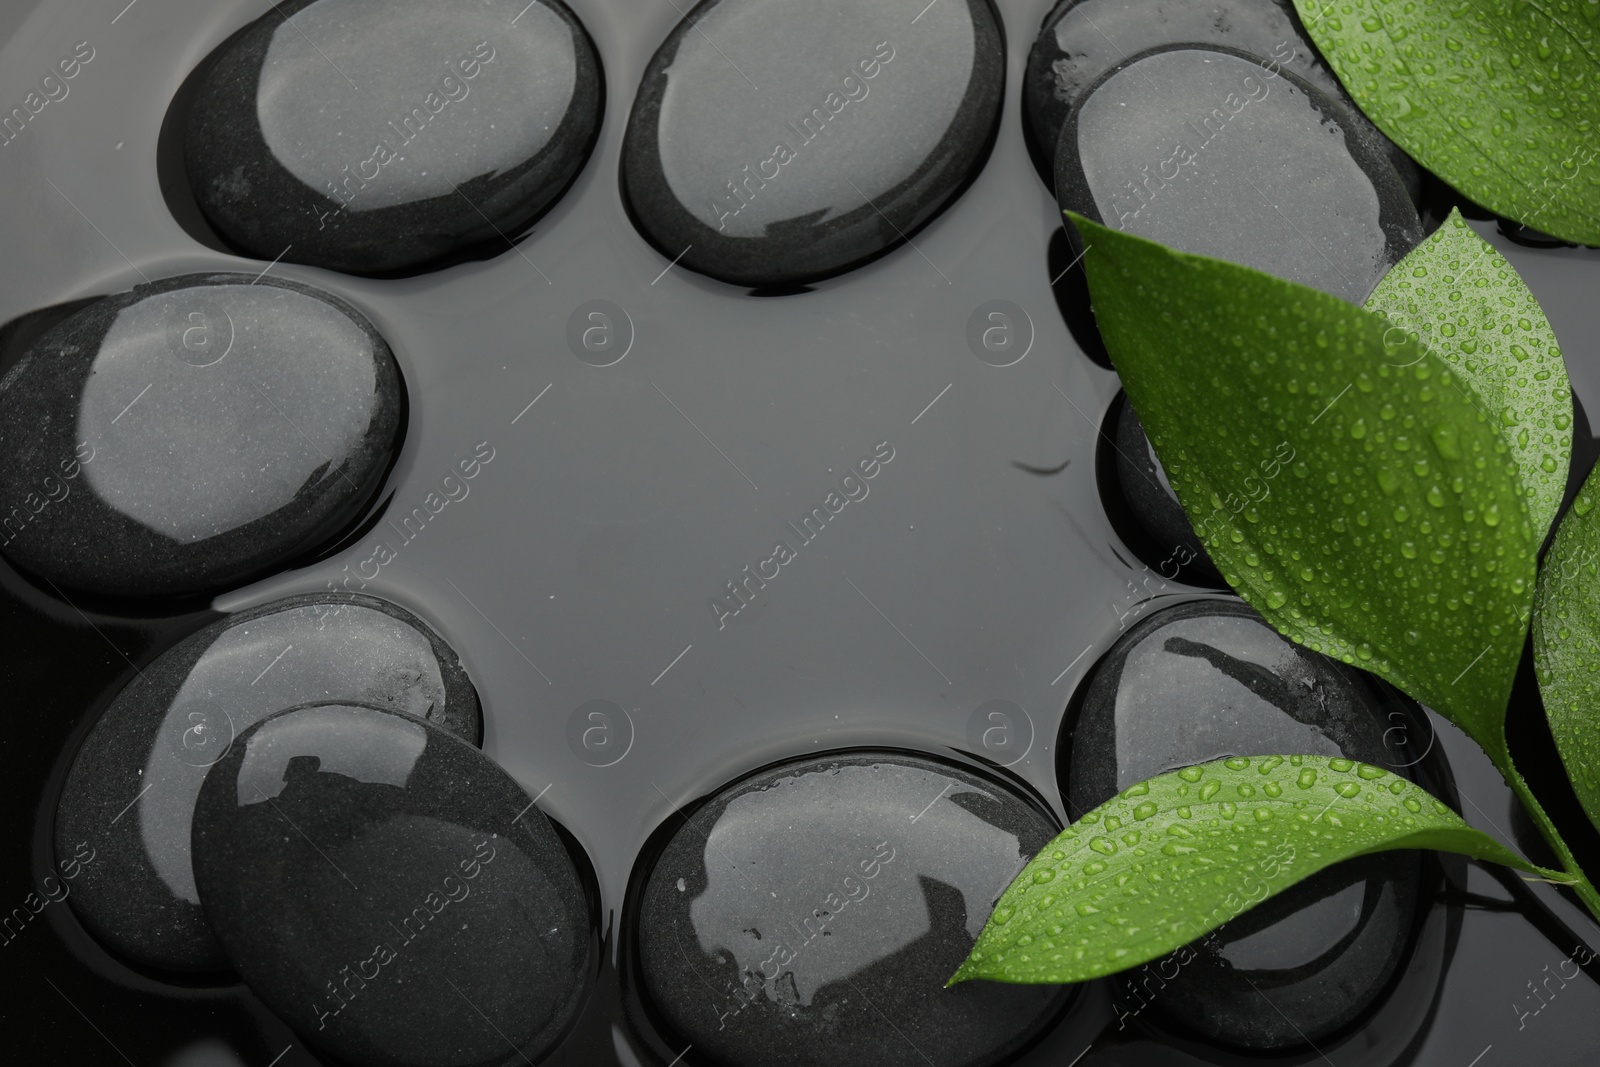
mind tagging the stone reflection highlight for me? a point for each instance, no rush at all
(315, 733)
(804, 905)
(192, 434)
(837, 864)
(809, 138)
(392, 137)
(238, 332)
(1220, 153)
(519, 85)
(1082, 39)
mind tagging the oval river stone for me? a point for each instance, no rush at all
(1209, 151)
(812, 913)
(374, 138)
(131, 791)
(1081, 39)
(1208, 680)
(390, 892)
(809, 138)
(193, 434)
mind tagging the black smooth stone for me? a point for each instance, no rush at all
(1530, 237)
(192, 434)
(1149, 496)
(812, 912)
(774, 143)
(1207, 151)
(1081, 39)
(377, 138)
(1204, 681)
(131, 792)
(390, 892)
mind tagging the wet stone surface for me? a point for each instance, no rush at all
(1154, 506)
(802, 906)
(1209, 152)
(810, 138)
(390, 892)
(379, 138)
(193, 434)
(1208, 680)
(1082, 39)
(131, 791)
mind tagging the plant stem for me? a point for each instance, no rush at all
(1547, 827)
(1537, 911)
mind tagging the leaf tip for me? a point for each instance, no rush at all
(1083, 222)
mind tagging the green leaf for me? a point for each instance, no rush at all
(1496, 98)
(1470, 308)
(1566, 643)
(1175, 857)
(1351, 492)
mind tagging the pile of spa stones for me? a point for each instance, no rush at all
(313, 811)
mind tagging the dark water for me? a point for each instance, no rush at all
(584, 564)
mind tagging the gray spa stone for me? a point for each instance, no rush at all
(391, 893)
(131, 791)
(1207, 151)
(376, 138)
(1207, 680)
(812, 912)
(773, 144)
(1082, 39)
(193, 434)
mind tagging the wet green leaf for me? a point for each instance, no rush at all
(1349, 490)
(1566, 643)
(1469, 308)
(1170, 859)
(1497, 98)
